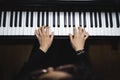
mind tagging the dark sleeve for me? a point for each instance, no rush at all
(82, 59)
(37, 60)
(84, 68)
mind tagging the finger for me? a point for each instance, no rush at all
(47, 30)
(52, 36)
(74, 31)
(39, 31)
(80, 30)
(40, 28)
(36, 33)
(43, 29)
(86, 35)
(71, 37)
(83, 32)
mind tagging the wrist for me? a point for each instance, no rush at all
(43, 49)
(81, 51)
(77, 49)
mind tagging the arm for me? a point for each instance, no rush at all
(38, 58)
(83, 65)
(78, 42)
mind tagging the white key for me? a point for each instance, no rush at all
(98, 29)
(101, 31)
(51, 22)
(82, 19)
(88, 28)
(103, 24)
(29, 26)
(34, 23)
(24, 23)
(13, 27)
(76, 19)
(109, 32)
(26, 30)
(93, 28)
(8, 20)
(45, 18)
(40, 18)
(5, 29)
(21, 28)
(114, 29)
(49, 19)
(1, 28)
(17, 27)
(71, 25)
(56, 28)
(67, 26)
(107, 29)
(62, 28)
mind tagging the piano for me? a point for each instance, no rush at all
(20, 18)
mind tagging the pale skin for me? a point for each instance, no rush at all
(45, 38)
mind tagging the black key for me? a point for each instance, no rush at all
(111, 19)
(84, 19)
(27, 18)
(73, 19)
(0, 17)
(91, 19)
(47, 18)
(106, 19)
(95, 16)
(4, 19)
(11, 19)
(38, 19)
(80, 20)
(117, 19)
(43, 19)
(15, 22)
(31, 20)
(69, 21)
(53, 19)
(58, 19)
(100, 21)
(20, 19)
(65, 20)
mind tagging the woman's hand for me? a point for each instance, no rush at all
(78, 38)
(45, 40)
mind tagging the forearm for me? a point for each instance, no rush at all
(82, 57)
(36, 61)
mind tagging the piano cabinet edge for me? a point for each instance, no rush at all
(31, 39)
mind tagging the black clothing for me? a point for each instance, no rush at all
(40, 60)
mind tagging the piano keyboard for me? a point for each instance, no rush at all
(24, 23)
